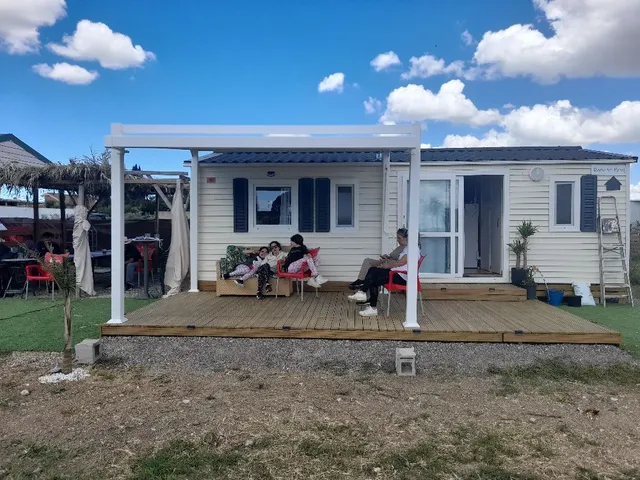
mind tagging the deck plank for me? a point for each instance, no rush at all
(332, 316)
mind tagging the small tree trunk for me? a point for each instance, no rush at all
(524, 254)
(518, 257)
(67, 363)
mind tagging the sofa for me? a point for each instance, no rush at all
(229, 287)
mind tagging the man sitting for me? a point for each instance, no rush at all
(368, 263)
(132, 256)
(47, 245)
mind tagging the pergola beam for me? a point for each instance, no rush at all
(155, 172)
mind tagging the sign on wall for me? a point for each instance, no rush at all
(608, 169)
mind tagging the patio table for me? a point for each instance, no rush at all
(145, 242)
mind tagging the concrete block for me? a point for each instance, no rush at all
(406, 362)
(88, 351)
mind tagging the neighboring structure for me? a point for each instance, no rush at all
(14, 150)
(470, 203)
(634, 211)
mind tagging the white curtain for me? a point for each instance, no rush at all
(81, 251)
(178, 260)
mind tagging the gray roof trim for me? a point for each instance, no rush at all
(429, 155)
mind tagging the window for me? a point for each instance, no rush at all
(344, 204)
(564, 205)
(273, 207)
(345, 210)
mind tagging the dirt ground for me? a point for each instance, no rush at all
(131, 424)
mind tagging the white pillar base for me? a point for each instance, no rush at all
(411, 325)
(194, 290)
(116, 321)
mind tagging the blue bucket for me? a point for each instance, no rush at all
(555, 297)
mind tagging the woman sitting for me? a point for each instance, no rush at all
(248, 268)
(378, 276)
(299, 259)
(269, 267)
(380, 262)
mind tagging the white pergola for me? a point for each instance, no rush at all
(216, 138)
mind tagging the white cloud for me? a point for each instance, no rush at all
(635, 191)
(559, 123)
(467, 38)
(97, 42)
(425, 145)
(429, 66)
(20, 21)
(589, 38)
(66, 73)
(332, 83)
(508, 106)
(414, 103)
(372, 105)
(384, 61)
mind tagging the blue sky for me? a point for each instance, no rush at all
(256, 62)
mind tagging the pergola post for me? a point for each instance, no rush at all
(117, 236)
(411, 320)
(193, 223)
(63, 219)
(36, 213)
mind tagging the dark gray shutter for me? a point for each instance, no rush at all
(588, 203)
(240, 205)
(323, 205)
(305, 204)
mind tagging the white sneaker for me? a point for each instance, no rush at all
(369, 311)
(359, 296)
(312, 282)
(320, 280)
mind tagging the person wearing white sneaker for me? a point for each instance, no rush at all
(377, 277)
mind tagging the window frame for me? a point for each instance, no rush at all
(345, 182)
(253, 186)
(576, 203)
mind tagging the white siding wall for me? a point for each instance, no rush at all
(563, 257)
(341, 253)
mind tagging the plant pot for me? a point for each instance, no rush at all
(573, 300)
(532, 292)
(517, 276)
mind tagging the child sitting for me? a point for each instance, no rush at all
(248, 268)
(299, 258)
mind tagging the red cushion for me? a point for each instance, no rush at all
(314, 252)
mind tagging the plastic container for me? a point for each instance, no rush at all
(574, 300)
(555, 297)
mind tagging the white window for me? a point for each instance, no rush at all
(345, 205)
(272, 207)
(564, 204)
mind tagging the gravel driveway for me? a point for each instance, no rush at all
(340, 356)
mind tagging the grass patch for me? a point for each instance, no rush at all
(187, 460)
(514, 379)
(37, 325)
(622, 318)
(34, 460)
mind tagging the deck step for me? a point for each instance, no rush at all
(473, 292)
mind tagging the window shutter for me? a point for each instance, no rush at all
(323, 205)
(588, 203)
(240, 205)
(305, 204)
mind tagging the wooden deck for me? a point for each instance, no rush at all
(331, 316)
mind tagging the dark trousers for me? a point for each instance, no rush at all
(263, 273)
(376, 278)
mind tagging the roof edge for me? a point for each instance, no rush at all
(10, 137)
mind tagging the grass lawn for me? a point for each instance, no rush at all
(38, 324)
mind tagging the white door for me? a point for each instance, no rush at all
(441, 225)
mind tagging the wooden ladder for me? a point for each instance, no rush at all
(612, 255)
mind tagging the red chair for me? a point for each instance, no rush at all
(298, 277)
(395, 287)
(140, 264)
(35, 273)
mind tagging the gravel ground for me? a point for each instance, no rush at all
(211, 354)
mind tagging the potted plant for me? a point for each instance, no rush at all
(529, 283)
(526, 230)
(517, 273)
(520, 247)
